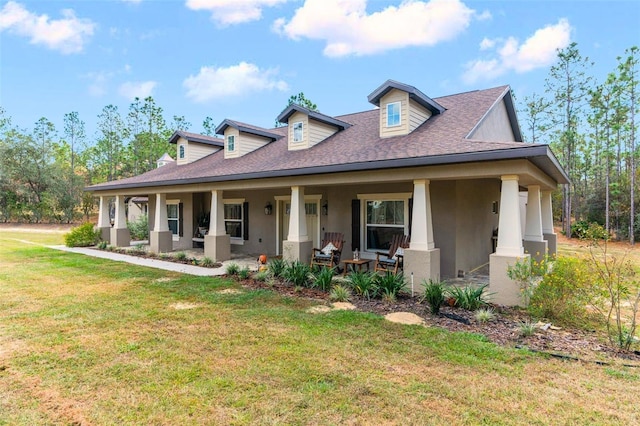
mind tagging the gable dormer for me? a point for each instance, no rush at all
(403, 108)
(241, 139)
(192, 146)
(307, 128)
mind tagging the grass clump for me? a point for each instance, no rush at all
(82, 236)
(389, 285)
(102, 245)
(470, 298)
(181, 256)
(277, 267)
(322, 278)
(484, 315)
(232, 269)
(297, 273)
(244, 273)
(207, 262)
(261, 276)
(527, 328)
(434, 295)
(363, 284)
(339, 293)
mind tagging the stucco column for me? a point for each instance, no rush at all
(422, 259)
(120, 236)
(217, 244)
(548, 233)
(297, 247)
(160, 238)
(534, 243)
(509, 250)
(104, 224)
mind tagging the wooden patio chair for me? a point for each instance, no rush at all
(329, 254)
(392, 260)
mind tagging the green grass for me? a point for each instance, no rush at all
(89, 340)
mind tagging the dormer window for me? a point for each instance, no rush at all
(181, 151)
(393, 114)
(297, 132)
(231, 143)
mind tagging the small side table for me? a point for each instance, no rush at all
(354, 263)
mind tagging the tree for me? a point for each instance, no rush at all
(299, 99)
(74, 131)
(209, 127)
(536, 113)
(180, 123)
(107, 154)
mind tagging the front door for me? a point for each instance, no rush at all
(312, 208)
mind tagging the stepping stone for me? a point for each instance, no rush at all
(319, 309)
(404, 318)
(343, 306)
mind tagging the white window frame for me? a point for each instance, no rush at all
(182, 151)
(391, 105)
(301, 138)
(175, 236)
(231, 143)
(236, 201)
(364, 198)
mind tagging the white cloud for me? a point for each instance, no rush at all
(137, 89)
(229, 12)
(211, 82)
(68, 34)
(348, 29)
(484, 16)
(539, 50)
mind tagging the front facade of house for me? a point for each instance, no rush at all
(449, 172)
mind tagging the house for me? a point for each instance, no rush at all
(448, 171)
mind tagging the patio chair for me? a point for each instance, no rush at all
(329, 254)
(392, 260)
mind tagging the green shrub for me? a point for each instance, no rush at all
(139, 228)
(82, 236)
(527, 328)
(563, 293)
(277, 267)
(261, 276)
(363, 284)
(389, 285)
(233, 269)
(322, 278)
(181, 256)
(138, 249)
(102, 245)
(244, 273)
(588, 231)
(297, 273)
(207, 262)
(484, 315)
(434, 295)
(339, 293)
(470, 298)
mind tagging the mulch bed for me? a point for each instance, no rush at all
(504, 330)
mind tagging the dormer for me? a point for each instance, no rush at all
(403, 108)
(241, 139)
(192, 146)
(307, 128)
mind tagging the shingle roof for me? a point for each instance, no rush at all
(248, 128)
(288, 112)
(359, 147)
(414, 94)
(195, 137)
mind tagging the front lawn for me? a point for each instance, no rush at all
(90, 341)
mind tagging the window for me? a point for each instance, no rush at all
(297, 132)
(393, 114)
(383, 220)
(173, 215)
(231, 143)
(233, 220)
(181, 151)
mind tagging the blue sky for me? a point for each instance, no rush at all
(243, 59)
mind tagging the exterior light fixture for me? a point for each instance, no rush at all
(268, 209)
(325, 208)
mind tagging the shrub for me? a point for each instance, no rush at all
(389, 285)
(139, 228)
(434, 295)
(277, 267)
(138, 249)
(470, 298)
(207, 262)
(233, 269)
(339, 293)
(244, 273)
(82, 236)
(563, 293)
(588, 231)
(297, 273)
(322, 278)
(527, 328)
(261, 276)
(181, 256)
(485, 315)
(102, 245)
(364, 284)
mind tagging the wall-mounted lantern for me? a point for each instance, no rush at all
(268, 209)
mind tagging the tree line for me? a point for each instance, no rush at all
(591, 127)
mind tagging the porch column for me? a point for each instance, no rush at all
(160, 238)
(217, 243)
(120, 236)
(509, 249)
(534, 244)
(297, 247)
(548, 233)
(104, 224)
(422, 259)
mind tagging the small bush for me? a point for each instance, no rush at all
(434, 295)
(138, 249)
(322, 278)
(181, 256)
(233, 269)
(485, 315)
(297, 273)
(277, 267)
(261, 276)
(527, 328)
(102, 245)
(339, 293)
(139, 228)
(244, 273)
(470, 298)
(82, 236)
(363, 284)
(207, 262)
(588, 231)
(389, 285)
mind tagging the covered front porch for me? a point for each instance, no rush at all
(459, 218)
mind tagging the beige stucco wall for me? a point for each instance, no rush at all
(495, 126)
(444, 215)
